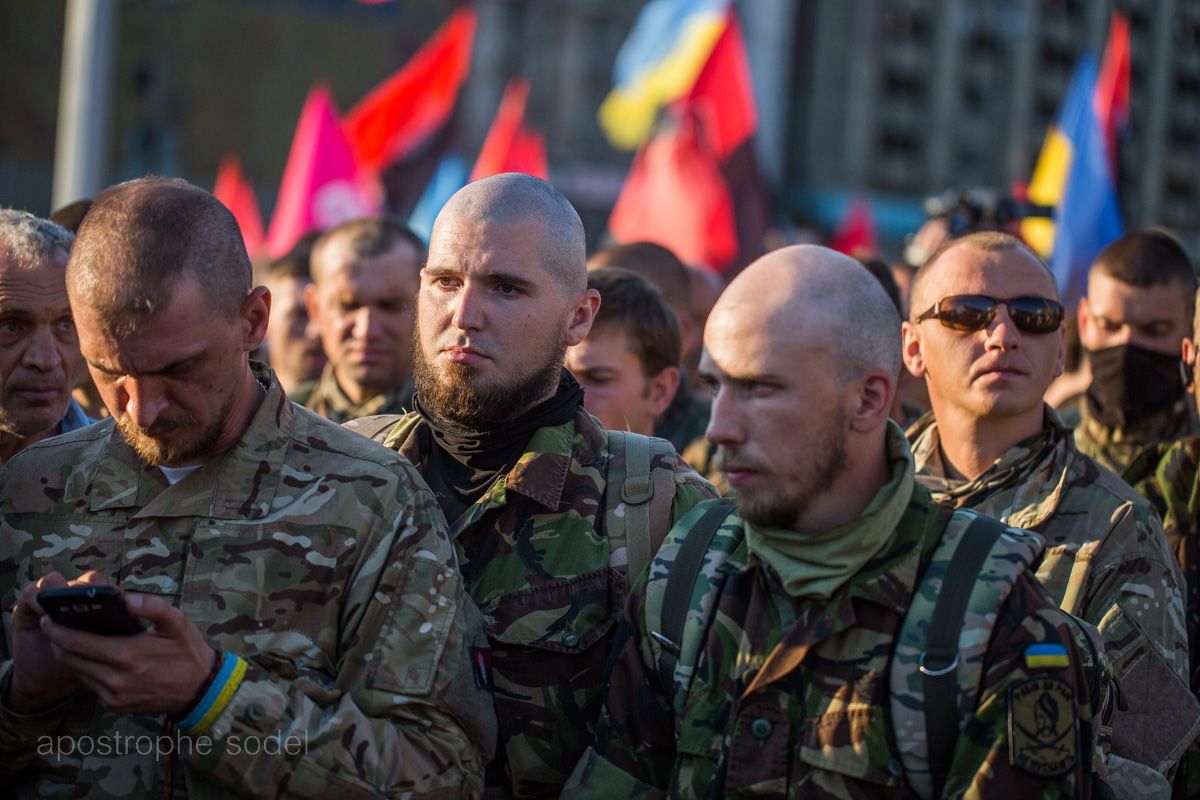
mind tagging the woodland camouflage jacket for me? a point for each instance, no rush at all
(538, 562)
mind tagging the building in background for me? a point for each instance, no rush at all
(890, 100)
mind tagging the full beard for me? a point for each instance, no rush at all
(782, 504)
(454, 393)
(154, 451)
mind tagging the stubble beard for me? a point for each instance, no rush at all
(156, 452)
(453, 391)
(782, 504)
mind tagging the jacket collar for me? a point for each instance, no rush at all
(1024, 486)
(889, 579)
(238, 484)
(539, 474)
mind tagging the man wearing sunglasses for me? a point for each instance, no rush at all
(986, 334)
(1132, 324)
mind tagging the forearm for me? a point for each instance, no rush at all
(20, 734)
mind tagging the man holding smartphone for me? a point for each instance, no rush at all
(297, 580)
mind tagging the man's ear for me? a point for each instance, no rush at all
(310, 302)
(914, 359)
(255, 314)
(1188, 351)
(1083, 319)
(582, 316)
(663, 387)
(872, 401)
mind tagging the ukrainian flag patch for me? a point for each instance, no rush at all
(1046, 656)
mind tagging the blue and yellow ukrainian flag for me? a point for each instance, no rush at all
(658, 63)
(1074, 174)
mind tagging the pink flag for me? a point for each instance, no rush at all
(237, 194)
(321, 185)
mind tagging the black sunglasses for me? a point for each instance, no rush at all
(973, 312)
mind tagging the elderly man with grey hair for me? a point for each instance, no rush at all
(39, 352)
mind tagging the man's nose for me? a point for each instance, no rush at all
(1003, 332)
(724, 421)
(144, 402)
(468, 309)
(42, 352)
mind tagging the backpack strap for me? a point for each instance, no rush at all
(681, 585)
(374, 427)
(939, 661)
(638, 499)
(937, 665)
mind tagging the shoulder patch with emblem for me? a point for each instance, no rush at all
(1041, 727)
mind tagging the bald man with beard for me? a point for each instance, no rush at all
(806, 585)
(544, 524)
(986, 336)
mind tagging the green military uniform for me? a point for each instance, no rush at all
(1134, 451)
(1174, 489)
(1106, 561)
(539, 564)
(325, 396)
(790, 695)
(317, 556)
(685, 419)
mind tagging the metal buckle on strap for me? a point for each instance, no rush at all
(934, 673)
(665, 642)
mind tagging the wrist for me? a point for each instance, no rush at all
(216, 693)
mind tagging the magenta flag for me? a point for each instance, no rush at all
(321, 183)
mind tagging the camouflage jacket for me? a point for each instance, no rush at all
(536, 560)
(1174, 490)
(319, 557)
(1106, 561)
(790, 696)
(1134, 452)
(326, 397)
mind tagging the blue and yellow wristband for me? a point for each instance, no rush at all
(214, 700)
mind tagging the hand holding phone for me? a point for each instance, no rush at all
(96, 609)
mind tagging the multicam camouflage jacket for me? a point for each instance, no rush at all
(325, 396)
(1135, 451)
(537, 561)
(1107, 562)
(1174, 490)
(319, 557)
(790, 697)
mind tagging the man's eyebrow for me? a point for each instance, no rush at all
(439, 272)
(496, 276)
(14, 311)
(166, 368)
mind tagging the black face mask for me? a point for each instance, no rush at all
(1131, 383)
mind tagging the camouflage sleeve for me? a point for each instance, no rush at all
(1032, 734)
(1136, 602)
(1172, 489)
(20, 733)
(690, 489)
(634, 752)
(402, 716)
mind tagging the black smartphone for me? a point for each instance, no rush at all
(96, 609)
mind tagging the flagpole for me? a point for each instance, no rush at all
(84, 101)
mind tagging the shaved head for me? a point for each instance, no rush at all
(926, 283)
(803, 353)
(816, 295)
(515, 199)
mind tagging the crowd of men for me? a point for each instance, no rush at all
(504, 520)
